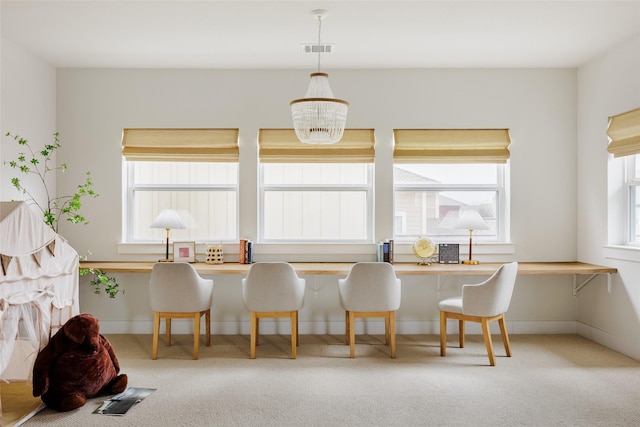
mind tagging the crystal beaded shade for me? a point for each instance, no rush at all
(319, 118)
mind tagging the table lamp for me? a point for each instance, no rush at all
(168, 219)
(471, 220)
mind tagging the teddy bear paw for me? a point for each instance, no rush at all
(73, 401)
(119, 383)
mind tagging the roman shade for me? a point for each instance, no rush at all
(180, 145)
(624, 133)
(451, 145)
(283, 146)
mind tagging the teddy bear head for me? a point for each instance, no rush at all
(83, 330)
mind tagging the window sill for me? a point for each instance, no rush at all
(320, 252)
(623, 253)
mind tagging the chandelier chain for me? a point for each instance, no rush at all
(319, 31)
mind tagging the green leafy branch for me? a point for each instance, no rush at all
(67, 207)
(101, 280)
(37, 163)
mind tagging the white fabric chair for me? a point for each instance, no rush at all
(370, 290)
(178, 291)
(484, 303)
(273, 289)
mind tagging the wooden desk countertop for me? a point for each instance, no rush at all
(343, 268)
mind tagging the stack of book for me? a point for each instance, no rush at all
(384, 251)
(246, 251)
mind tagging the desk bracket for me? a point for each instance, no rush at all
(577, 286)
(314, 286)
(440, 284)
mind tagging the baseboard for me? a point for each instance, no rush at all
(368, 326)
(628, 347)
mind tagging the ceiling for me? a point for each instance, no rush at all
(367, 34)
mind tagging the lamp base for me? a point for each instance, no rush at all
(165, 260)
(470, 262)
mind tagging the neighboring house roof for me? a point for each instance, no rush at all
(448, 201)
(403, 175)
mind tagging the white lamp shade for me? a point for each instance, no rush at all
(471, 220)
(168, 218)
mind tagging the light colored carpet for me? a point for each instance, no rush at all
(551, 380)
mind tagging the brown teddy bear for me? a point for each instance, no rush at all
(77, 364)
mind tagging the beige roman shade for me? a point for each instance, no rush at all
(451, 145)
(283, 146)
(624, 132)
(180, 145)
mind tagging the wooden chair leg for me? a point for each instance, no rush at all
(207, 326)
(297, 330)
(461, 332)
(443, 333)
(254, 333)
(505, 336)
(167, 337)
(387, 323)
(156, 332)
(392, 332)
(346, 327)
(294, 333)
(257, 330)
(352, 335)
(486, 332)
(196, 335)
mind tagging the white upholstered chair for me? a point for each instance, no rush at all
(273, 289)
(177, 291)
(484, 303)
(370, 290)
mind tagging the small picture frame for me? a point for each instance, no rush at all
(184, 251)
(449, 253)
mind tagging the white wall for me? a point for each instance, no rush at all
(607, 86)
(538, 106)
(28, 96)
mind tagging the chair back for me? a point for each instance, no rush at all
(272, 286)
(370, 286)
(177, 287)
(493, 296)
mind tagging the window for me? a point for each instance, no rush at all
(624, 141)
(194, 171)
(430, 198)
(316, 193)
(205, 194)
(315, 201)
(632, 184)
(439, 174)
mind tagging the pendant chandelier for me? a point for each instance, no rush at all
(319, 118)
